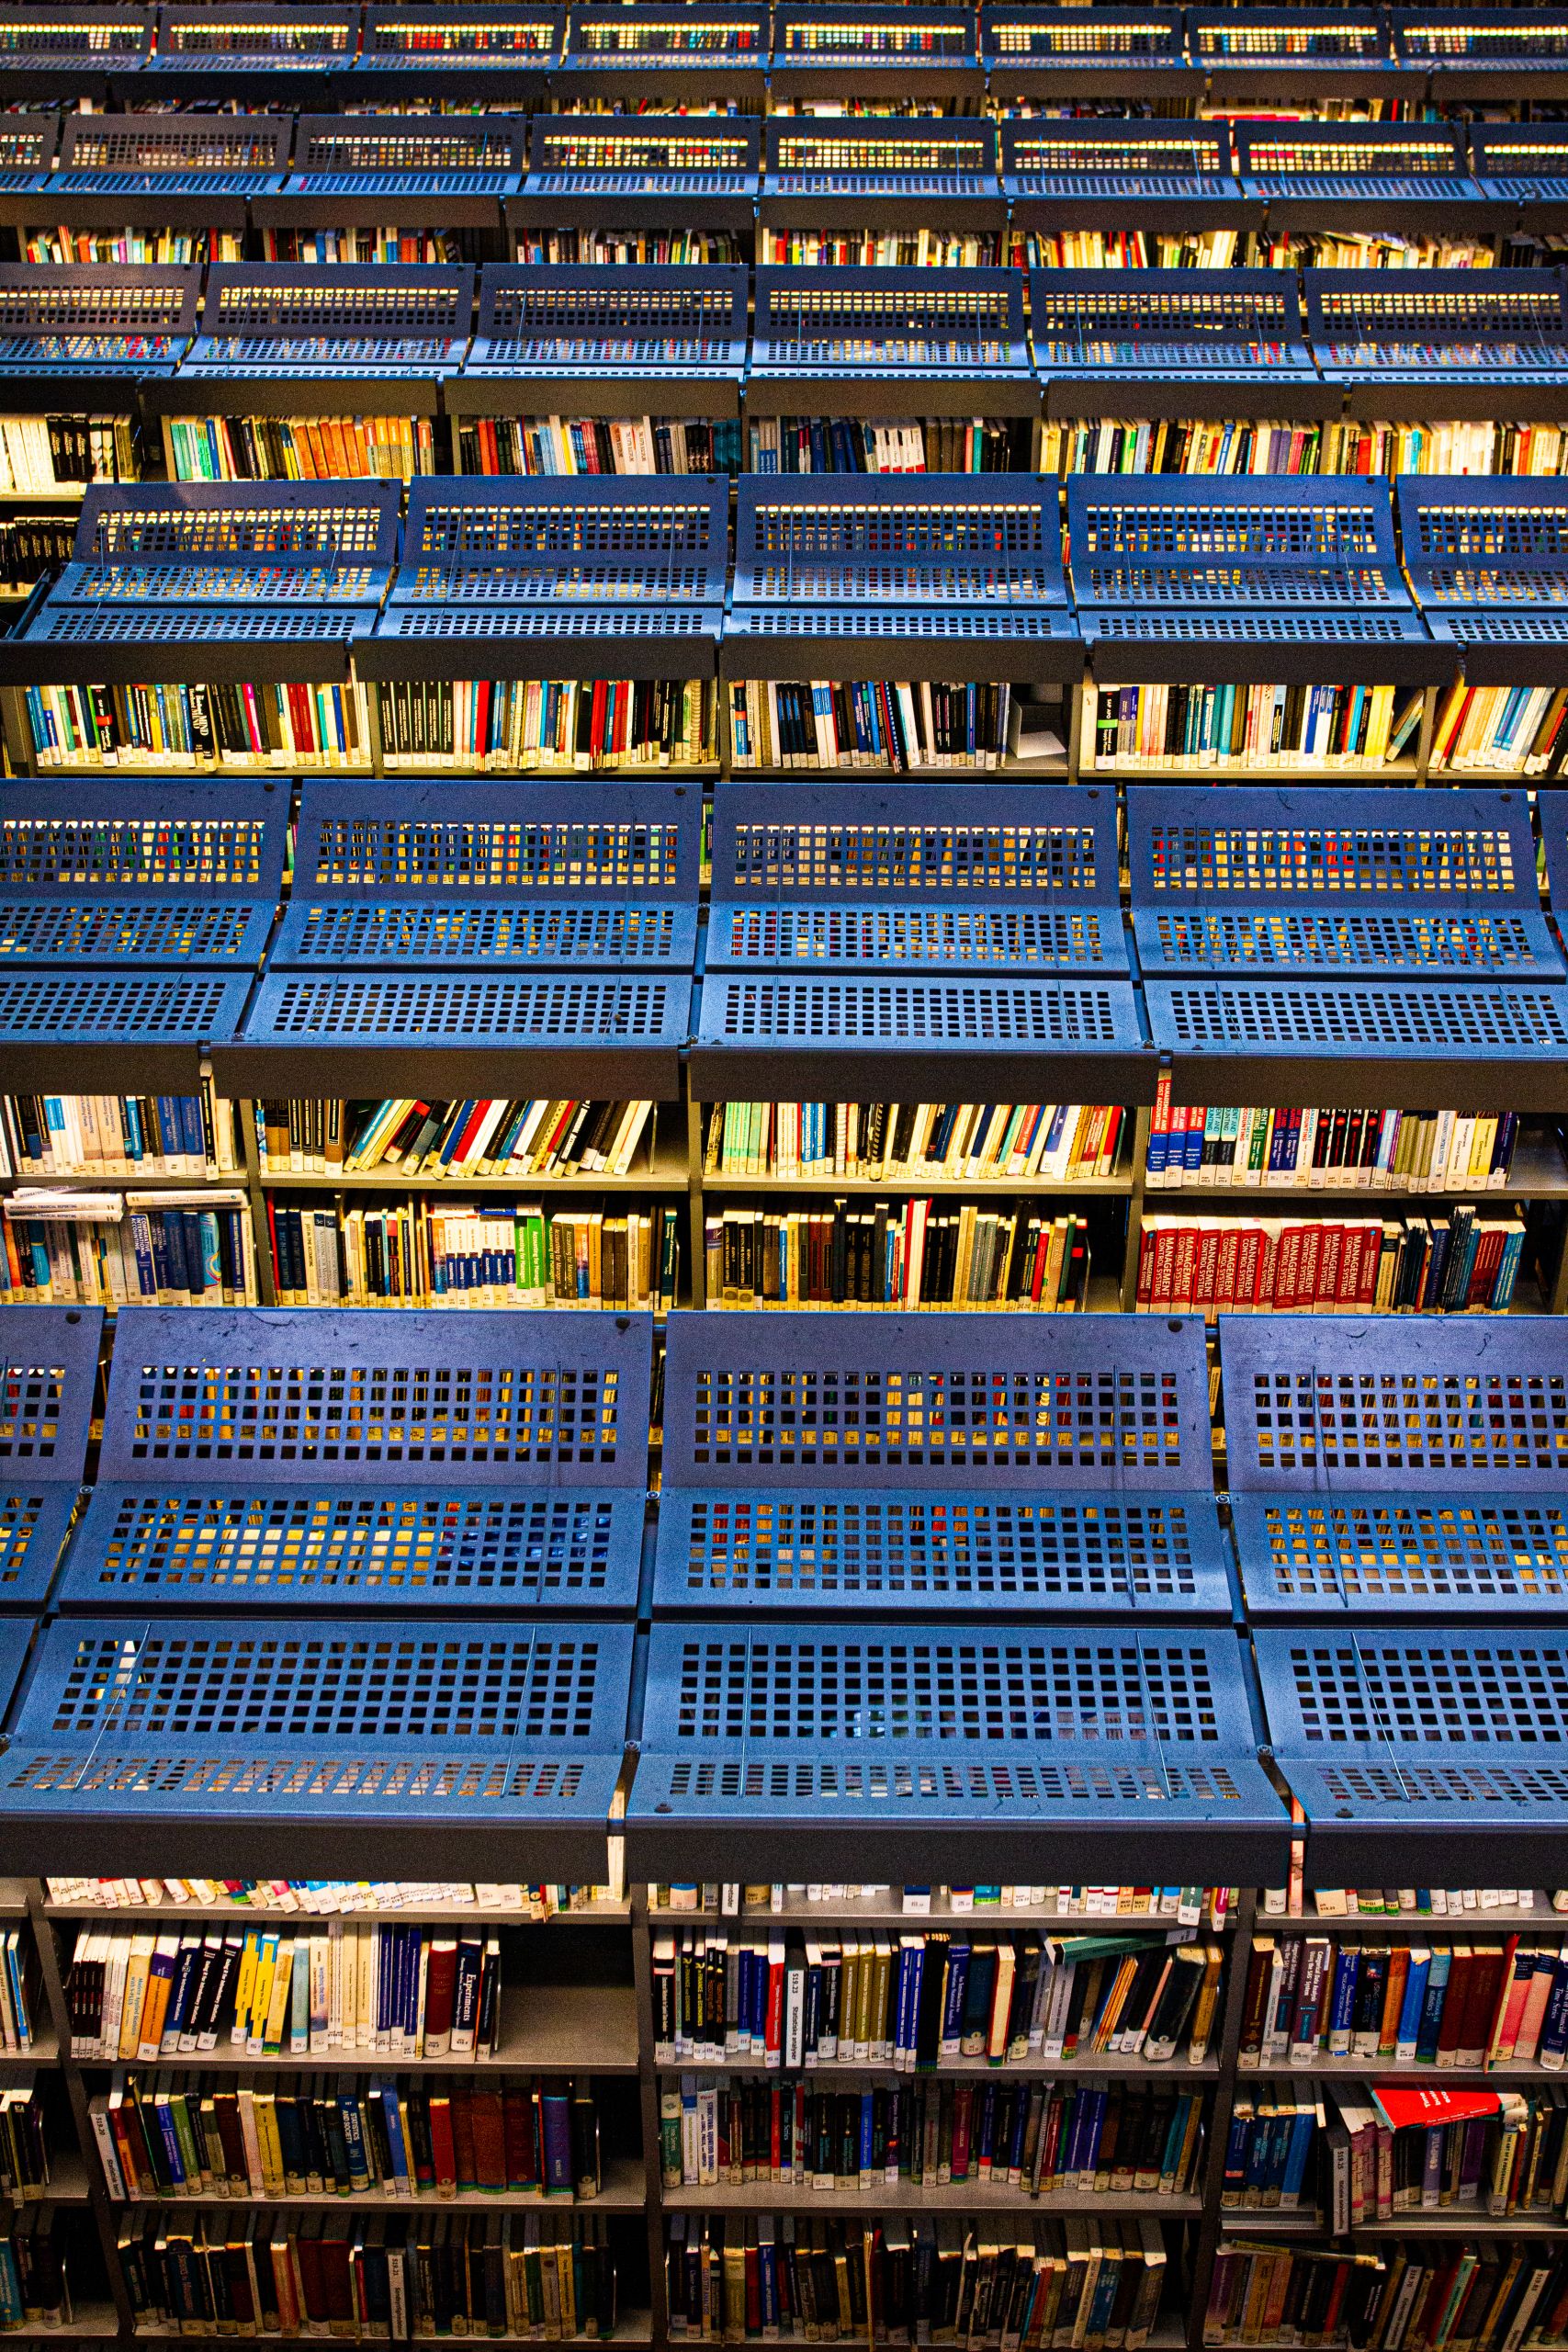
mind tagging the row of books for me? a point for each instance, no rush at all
(1034, 2285)
(108, 1249)
(386, 241)
(1043, 2139)
(1271, 2145)
(310, 1135)
(1331, 1150)
(164, 725)
(598, 444)
(380, 2279)
(1391, 2151)
(1408, 1902)
(894, 724)
(326, 1899)
(1130, 445)
(898, 1254)
(1250, 726)
(423, 1253)
(922, 2000)
(391, 2135)
(1058, 1143)
(300, 448)
(1284, 1265)
(621, 248)
(19, 1990)
(1188, 1906)
(1486, 2294)
(1516, 729)
(28, 545)
(114, 246)
(24, 2147)
(34, 2289)
(406, 1992)
(845, 444)
(849, 248)
(491, 725)
(41, 452)
(118, 1134)
(1407, 2005)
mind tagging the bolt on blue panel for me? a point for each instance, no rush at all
(1249, 882)
(908, 1465)
(48, 1369)
(351, 1459)
(1431, 1753)
(552, 323)
(63, 322)
(169, 873)
(241, 1724)
(384, 320)
(1397, 1467)
(947, 1748)
(436, 876)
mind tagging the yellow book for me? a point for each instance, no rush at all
(245, 1982)
(1203, 2009)
(135, 1995)
(269, 2144)
(261, 1996)
(277, 2022)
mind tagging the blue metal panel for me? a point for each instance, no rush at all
(897, 1464)
(1398, 1467)
(1250, 882)
(1524, 164)
(904, 1748)
(461, 48)
(63, 322)
(648, 159)
(719, 40)
(1422, 1755)
(1529, 42)
(27, 144)
(1169, 328)
(198, 48)
(1057, 173)
(371, 168)
(1041, 49)
(935, 167)
(157, 1732)
(1327, 48)
(272, 319)
(818, 334)
(1324, 175)
(48, 1369)
(1552, 809)
(171, 873)
(566, 326)
(14, 1639)
(310, 1460)
(1489, 563)
(148, 1030)
(72, 52)
(1423, 333)
(918, 40)
(205, 167)
(436, 876)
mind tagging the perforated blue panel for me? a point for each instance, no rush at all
(144, 1030)
(173, 873)
(14, 1639)
(1084, 170)
(1501, 329)
(267, 319)
(1326, 172)
(726, 40)
(1398, 1467)
(1097, 325)
(1522, 163)
(222, 159)
(657, 156)
(310, 1460)
(1034, 45)
(901, 1745)
(551, 321)
(1441, 1751)
(237, 1723)
(63, 320)
(860, 326)
(49, 1369)
(905, 1465)
(396, 155)
(1506, 40)
(952, 162)
(922, 41)
(440, 875)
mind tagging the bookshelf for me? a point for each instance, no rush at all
(71, 53)
(658, 188)
(381, 187)
(505, 53)
(1055, 53)
(277, 53)
(144, 187)
(664, 58)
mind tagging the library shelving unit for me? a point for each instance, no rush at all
(1488, 560)
(499, 54)
(555, 340)
(664, 58)
(253, 595)
(277, 53)
(69, 53)
(653, 188)
(383, 187)
(135, 915)
(908, 53)
(1261, 55)
(879, 343)
(48, 1373)
(1523, 170)
(1442, 342)
(1173, 343)
(1294, 945)
(1031, 53)
(348, 1506)
(1338, 178)
(1397, 1471)
(572, 583)
(885, 942)
(356, 344)
(921, 190)
(89, 336)
(910, 578)
(1519, 55)
(912, 1500)
(1168, 179)
(469, 940)
(174, 187)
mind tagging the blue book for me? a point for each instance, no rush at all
(1304, 2128)
(1342, 2004)
(1555, 2025)
(1409, 2028)
(953, 2002)
(1432, 2009)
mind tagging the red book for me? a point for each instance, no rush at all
(463, 2136)
(441, 1968)
(1421, 2108)
(521, 2129)
(442, 2147)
